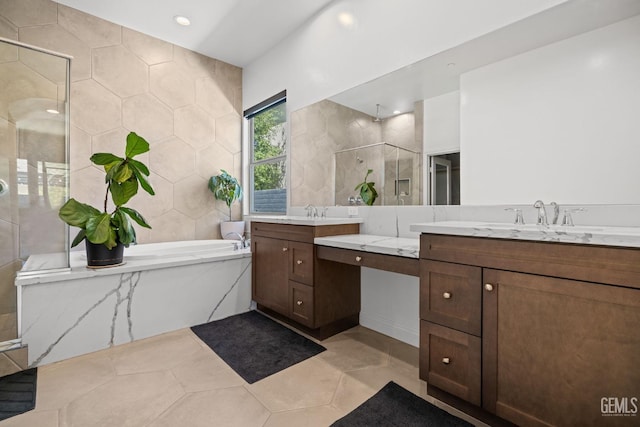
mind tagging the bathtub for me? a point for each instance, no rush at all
(160, 287)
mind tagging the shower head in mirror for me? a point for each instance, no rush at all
(377, 118)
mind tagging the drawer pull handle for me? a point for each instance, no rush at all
(285, 249)
(446, 295)
(299, 302)
(446, 360)
(488, 287)
(358, 258)
(299, 262)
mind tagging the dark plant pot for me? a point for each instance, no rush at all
(100, 256)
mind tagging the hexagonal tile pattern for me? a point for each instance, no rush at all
(228, 132)
(51, 67)
(282, 391)
(95, 32)
(172, 85)
(87, 186)
(79, 149)
(7, 286)
(147, 116)
(172, 226)
(9, 31)
(193, 63)
(172, 159)
(208, 225)
(29, 12)
(9, 237)
(150, 49)
(129, 400)
(115, 141)
(214, 98)
(94, 109)
(56, 38)
(199, 409)
(194, 126)
(120, 71)
(19, 82)
(192, 197)
(150, 206)
(174, 379)
(230, 74)
(212, 159)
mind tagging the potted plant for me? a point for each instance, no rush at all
(367, 190)
(226, 188)
(108, 233)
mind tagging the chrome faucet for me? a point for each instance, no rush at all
(237, 245)
(312, 211)
(556, 212)
(542, 213)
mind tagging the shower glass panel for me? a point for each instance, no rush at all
(34, 178)
(396, 174)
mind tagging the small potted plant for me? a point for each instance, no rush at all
(108, 233)
(226, 188)
(367, 190)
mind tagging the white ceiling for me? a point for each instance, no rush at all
(234, 31)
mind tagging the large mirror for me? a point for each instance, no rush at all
(545, 108)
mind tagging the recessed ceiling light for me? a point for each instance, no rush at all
(52, 111)
(346, 19)
(396, 112)
(182, 20)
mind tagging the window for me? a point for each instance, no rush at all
(267, 162)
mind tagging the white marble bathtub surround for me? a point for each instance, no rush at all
(67, 318)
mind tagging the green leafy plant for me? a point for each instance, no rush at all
(226, 188)
(124, 176)
(367, 190)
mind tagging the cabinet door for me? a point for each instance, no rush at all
(555, 349)
(451, 295)
(270, 273)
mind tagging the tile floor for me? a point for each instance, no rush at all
(175, 380)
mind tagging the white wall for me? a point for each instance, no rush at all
(442, 124)
(573, 104)
(324, 57)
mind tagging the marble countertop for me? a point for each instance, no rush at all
(302, 220)
(79, 270)
(398, 246)
(589, 235)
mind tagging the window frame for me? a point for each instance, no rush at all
(249, 114)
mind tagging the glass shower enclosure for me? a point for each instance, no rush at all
(395, 172)
(34, 178)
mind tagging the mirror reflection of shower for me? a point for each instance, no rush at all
(395, 174)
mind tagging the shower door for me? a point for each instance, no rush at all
(34, 88)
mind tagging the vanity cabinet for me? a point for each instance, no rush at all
(289, 281)
(534, 333)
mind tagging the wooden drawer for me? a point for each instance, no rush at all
(451, 361)
(591, 263)
(396, 264)
(451, 295)
(301, 262)
(298, 233)
(301, 303)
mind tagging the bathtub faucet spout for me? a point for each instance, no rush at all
(240, 245)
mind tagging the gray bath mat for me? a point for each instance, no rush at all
(18, 393)
(393, 406)
(255, 346)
